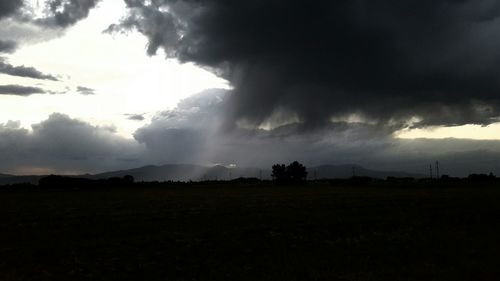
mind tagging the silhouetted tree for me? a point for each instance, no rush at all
(128, 179)
(482, 177)
(296, 172)
(279, 173)
(293, 173)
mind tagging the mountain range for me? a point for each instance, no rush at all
(187, 172)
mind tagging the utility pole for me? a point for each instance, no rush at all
(430, 170)
(437, 169)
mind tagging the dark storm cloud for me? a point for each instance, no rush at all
(18, 90)
(9, 7)
(385, 61)
(85, 91)
(64, 13)
(188, 134)
(23, 71)
(21, 24)
(58, 13)
(63, 144)
(7, 46)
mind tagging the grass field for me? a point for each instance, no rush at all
(251, 233)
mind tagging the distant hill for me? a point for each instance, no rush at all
(186, 172)
(196, 173)
(10, 179)
(347, 171)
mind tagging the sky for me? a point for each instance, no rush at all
(95, 85)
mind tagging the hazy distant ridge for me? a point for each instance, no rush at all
(347, 171)
(186, 172)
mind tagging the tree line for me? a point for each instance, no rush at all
(293, 173)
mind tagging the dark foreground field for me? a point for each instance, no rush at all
(251, 233)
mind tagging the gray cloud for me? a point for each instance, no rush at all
(384, 61)
(64, 13)
(7, 46)
(135, 117)
(65, 145)
(85, 91)
(25, 32)
(192, 133)
(9, 7)
(328, 80)
(149, 20)
(23, 71)
(20, 25)
(18, 90)
(186, 132)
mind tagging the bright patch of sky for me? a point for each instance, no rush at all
(491, 132)
(125, 79)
